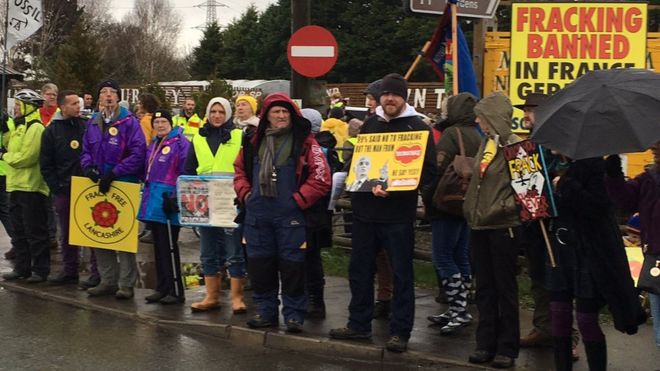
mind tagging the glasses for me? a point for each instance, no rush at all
(107, 91)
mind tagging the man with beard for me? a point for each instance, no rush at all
(383, 219)
(188, 119)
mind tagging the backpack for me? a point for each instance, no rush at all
(450, 192)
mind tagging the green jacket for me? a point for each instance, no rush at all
(23, 173)
(489, 201)
(460, 117)
(4, 140)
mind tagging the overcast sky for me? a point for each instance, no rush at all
(192, 16)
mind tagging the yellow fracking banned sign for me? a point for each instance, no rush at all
(391, 160)
(104, 220)
(553, 44)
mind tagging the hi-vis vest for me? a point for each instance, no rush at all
(190, 126)
(223, 162)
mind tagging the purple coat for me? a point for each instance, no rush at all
(169, 158)
(120, 148)
(642, 195)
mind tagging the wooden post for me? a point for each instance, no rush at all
(454, 48)
(300, 17)
(548, 247)
(419, 57)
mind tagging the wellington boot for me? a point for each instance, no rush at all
(210, 301)
(237, 304)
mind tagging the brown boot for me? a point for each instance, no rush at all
(237, 304)
(210, 301)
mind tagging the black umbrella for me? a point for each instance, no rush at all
(600, 113)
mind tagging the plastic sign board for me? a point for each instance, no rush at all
(391, 160)
(465, 8)
(104, 220)
(312, 51)
(207, 201)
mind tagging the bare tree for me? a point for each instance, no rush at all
(158, 26)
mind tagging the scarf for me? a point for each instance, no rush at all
(242, 124)
(489, 153)
(267, 171)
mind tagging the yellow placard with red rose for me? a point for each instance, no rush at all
(104, 221)
(392, 160)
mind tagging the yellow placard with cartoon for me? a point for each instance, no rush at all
(104, 221)
(392, 160)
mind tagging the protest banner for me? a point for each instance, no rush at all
(207, 201)
(529, 180)
(104, 220)
(392, 160)
(553, 44)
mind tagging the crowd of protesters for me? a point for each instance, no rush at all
(282, 160)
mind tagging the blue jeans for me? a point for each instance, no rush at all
(451, 238)
(399, 242)
(655, 312)
(221, 247)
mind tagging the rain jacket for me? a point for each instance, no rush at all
(312, 172)
(400, 206)
(4, 139)
(61, 147)
(601, 266)
(338, 128)
(460, 117)
(147, 128)
(641, 194)
(190, 125)
(22, 156)
(163, 164)
(489, 201)
(118, 146)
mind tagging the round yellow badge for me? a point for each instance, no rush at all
(165, 150)
(74, 144)
(113, 131)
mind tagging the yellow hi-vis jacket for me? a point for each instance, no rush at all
(223, 161)
(190, 126)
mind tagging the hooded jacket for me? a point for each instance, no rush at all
(460, 117)
(164, 163)
(118, 146)
(338, 128)
(22, 155)
(214, 137)
(61, 148)
(400, 206)
(489, 201)
(312, 172)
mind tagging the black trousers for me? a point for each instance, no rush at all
(4, 208)
(29, 219)
(314, 275)
(168, 261)
(535, 251)
(494, 255)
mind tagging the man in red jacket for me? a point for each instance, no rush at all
(280, 173)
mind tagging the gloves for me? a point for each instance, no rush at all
(170, 205)
(613, 166)
(106, 180)
(92, 174)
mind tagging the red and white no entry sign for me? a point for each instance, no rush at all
(312, 51)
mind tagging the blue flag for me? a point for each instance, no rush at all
(439, 54)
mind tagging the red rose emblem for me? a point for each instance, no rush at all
(105, 214)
